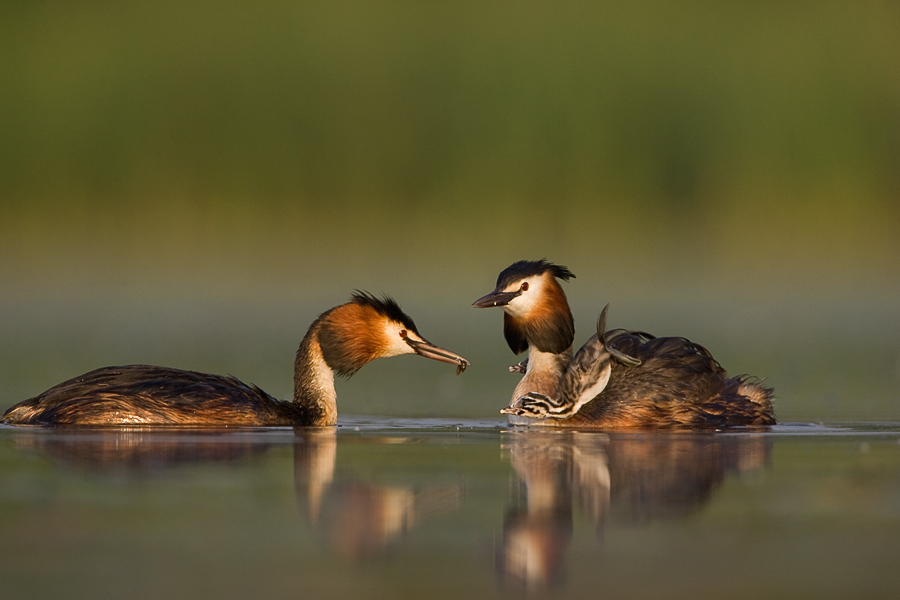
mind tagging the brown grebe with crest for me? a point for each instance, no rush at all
(619, 378)
(340, 341)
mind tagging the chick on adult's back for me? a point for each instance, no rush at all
(617, 379)
(340, 341)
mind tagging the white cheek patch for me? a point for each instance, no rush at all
(522, 304)
(396, 345)
(593, 391)
(405, 348)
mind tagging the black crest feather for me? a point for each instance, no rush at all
(386, 306)
(527, 268)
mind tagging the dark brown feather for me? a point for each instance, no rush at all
(514, 332)
(678, 384)
(143, 394)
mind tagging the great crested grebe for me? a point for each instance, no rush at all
(340, 341)
(617, 379)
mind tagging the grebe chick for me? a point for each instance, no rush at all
(340, 341)
(617, 379)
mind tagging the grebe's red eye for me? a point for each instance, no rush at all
(524, 287)
(403, 333)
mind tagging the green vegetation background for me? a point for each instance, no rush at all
(191, 183)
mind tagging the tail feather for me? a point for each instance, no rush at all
(755, 391)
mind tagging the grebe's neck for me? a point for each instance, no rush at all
(543, 373)
(344, 339)
(314, 380)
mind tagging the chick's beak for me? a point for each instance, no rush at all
(429, 350)
(495, 298)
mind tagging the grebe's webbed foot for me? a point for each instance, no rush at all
(539, 406)
(521, 367)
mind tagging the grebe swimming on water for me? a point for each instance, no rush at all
(617, 379)
(340, 341)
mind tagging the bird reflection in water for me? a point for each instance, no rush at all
(360, 519)
(138, 450)
(618, 477)
(357, 519)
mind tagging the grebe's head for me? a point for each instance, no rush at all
(537, 311)
(366, 328)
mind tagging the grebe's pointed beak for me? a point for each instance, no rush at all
(429, 350)
(496, 298)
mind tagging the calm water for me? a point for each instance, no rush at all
(401, 508)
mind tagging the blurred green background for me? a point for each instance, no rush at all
(191, 183)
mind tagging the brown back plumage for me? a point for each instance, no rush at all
(677, 384)
(144, 394)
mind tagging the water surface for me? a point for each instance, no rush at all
(405, 508)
